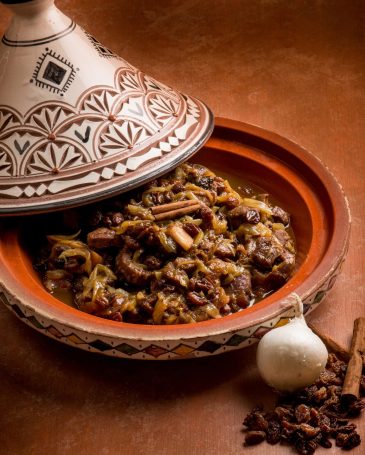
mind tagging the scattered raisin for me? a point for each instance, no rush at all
(305, 447)
(254, 437)
(273, 432)
(302, 413)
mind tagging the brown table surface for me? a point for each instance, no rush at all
(296, 68)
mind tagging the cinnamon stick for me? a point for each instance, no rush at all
(175, 209)
(172, 206)
(351, 386)
(331, 344)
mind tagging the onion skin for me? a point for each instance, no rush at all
(291, 357)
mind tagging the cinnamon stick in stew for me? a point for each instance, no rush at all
(174, 209)
(351, 386)
(173, 206)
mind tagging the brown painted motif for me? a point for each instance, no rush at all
(56, 148)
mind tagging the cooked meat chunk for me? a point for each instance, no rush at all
(266, 252)
(131, 271)
(196, 299)
(225, 250)
(278, 275)
(239, 291)
(207, 216)
(152, 263)
(101, 238)
(130, 243)
(176, 276)
(243, 214)
(280, 215)
(287, 262)
(282, 236)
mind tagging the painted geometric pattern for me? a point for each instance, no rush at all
(111, 130)
(117, 347)
(146, 350)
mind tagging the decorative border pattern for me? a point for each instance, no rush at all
(102, 50)
(38, 42)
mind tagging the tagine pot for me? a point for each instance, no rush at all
(77, 122)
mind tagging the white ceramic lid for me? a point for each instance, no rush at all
(77, 122)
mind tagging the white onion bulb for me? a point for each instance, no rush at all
(291, 357)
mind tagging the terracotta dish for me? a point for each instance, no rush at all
(292, 176)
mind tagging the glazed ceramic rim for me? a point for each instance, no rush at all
(262, 311)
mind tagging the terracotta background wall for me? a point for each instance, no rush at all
(294, 67)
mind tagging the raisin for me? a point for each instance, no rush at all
(324, 442)
(273, 432)
(231, 202)
(325, 425)
(283, 412)
(305, 447)
(94, 218)
(302, 413)
(315, 416)
(112, 219)
(320, 395)
(254, 419)
(355, 408)
(308, 431)
(196, 299)
(340, 439)
(259, 422)
(253, 216)
(218, 185)
(326, 378)
(352, 440)
(191, 228)
(310, 391)
(254, 437)
(178, 187)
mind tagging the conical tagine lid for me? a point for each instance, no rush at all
(77, 122)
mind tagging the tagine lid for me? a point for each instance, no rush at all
(77, 122)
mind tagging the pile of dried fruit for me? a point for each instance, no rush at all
(311, 417)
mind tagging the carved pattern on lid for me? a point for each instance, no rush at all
(111, 131)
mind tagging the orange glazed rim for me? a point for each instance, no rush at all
(299, 172)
